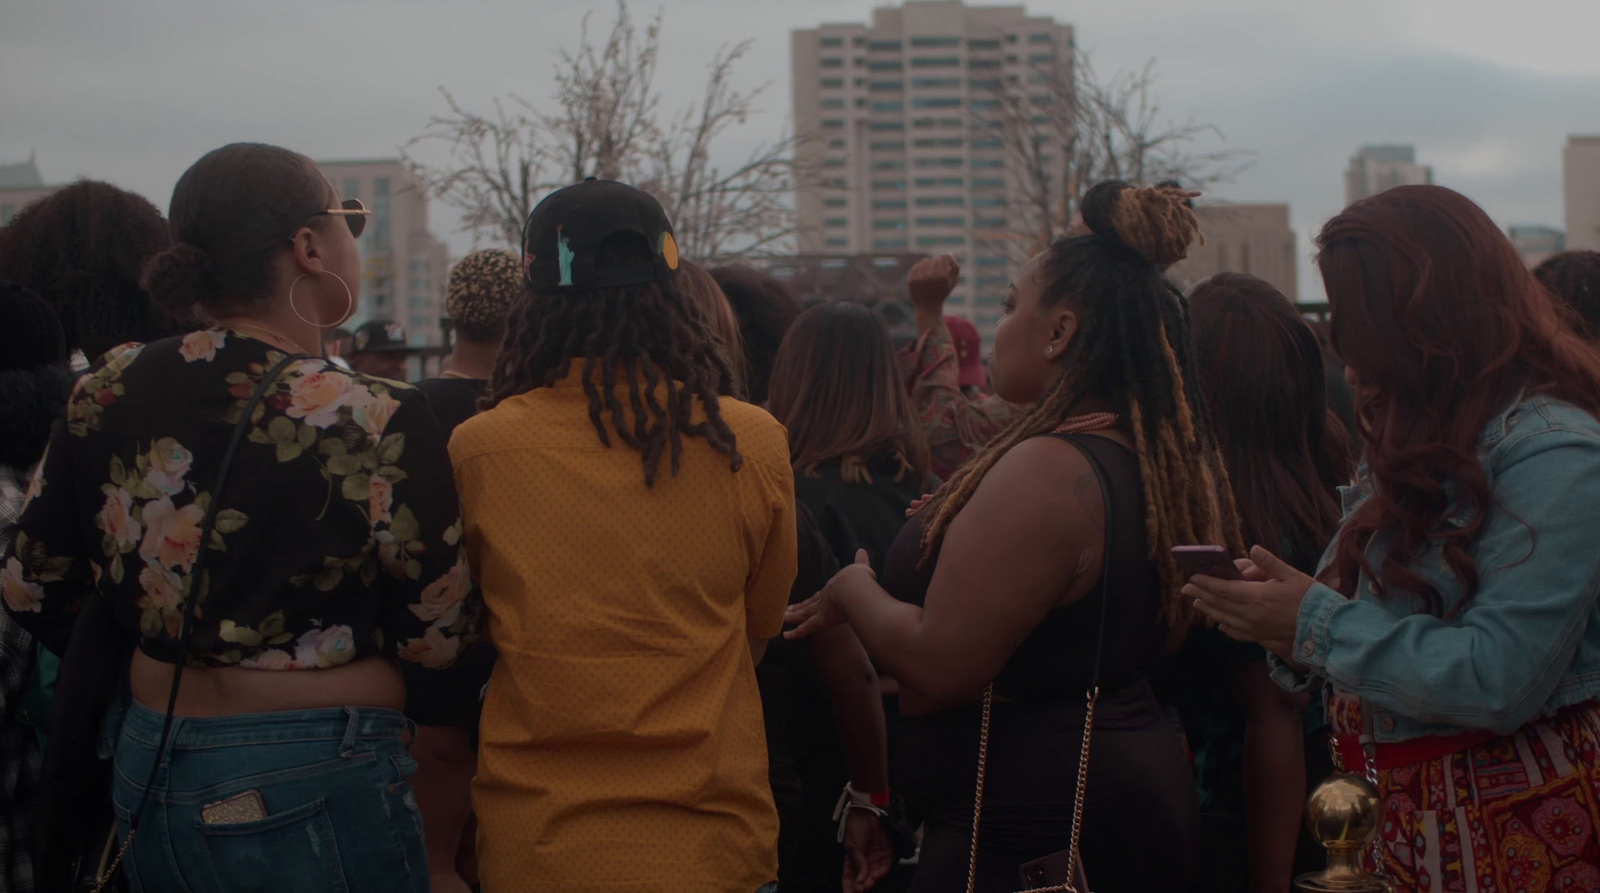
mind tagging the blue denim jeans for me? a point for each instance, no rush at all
(335, 784)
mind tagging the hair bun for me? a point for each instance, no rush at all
(1154, 222)
(181, 277)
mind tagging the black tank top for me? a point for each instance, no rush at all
(1056, 661)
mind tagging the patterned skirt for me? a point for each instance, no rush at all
(1519, 814)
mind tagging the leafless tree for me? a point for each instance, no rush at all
(605, 119)
(1068, 128)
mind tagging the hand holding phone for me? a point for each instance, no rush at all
(1212, 561)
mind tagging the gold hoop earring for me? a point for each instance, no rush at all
(349, 303)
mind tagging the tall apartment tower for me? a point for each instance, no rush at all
(908, 164)
(1242, 238)
(1580, 170)
(404, 267)
(1376, 169)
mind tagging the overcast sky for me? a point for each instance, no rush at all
(135, 92)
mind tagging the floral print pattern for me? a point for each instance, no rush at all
(339, 536)
(956, 425)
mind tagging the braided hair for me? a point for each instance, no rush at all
(651, 337)
(1132, 350)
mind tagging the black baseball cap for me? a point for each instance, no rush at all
(561, 241)
(379, 336)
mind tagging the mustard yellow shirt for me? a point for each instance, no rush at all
(622, 745)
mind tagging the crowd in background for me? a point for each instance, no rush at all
(668, 582)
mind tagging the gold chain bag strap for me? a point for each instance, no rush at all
(1060, 872)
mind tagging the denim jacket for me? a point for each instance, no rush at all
(1527, 644)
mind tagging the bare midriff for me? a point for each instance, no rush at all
(230, 691)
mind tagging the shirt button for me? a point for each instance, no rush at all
(1308, 648)
(1388, 723)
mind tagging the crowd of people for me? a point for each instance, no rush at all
(670, 583)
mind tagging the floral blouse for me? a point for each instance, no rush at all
(956, 425)
(338, 534)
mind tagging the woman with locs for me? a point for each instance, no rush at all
(1004, 579)
(264, 747)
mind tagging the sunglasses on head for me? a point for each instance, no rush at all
(352, 210)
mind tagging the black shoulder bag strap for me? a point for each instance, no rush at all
(191, 598)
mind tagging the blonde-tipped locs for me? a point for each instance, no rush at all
(1132, 350)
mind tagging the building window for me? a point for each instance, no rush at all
(833, 162)
(832, 62)
(938, 162)
(886, 86)
(935, 42)
(990, 299)
(888, 184)
(984, 44)
(991, 261)
(984, 64)
(889, 146)
(946, 201)
(890, 46)
(936, 83)
(352, 187)
(835, 183)
(989, 201)
(417, 302)
(889, 105)
(989, 222)
(937, 241)
(835, 202)
(833, 83)
(833, 103)
(889, 204)
(1041, 58)
(832, 123)
(985, 105)
(988, 84)
(936, 62)
(836, 243)
(941, 221)
(889, 165)
(836, 144)
(888, 244)
(988, 144)
(835, 221)
(939, 143)
(1040, 38)
(830, 43)
(936, 102)
(979, 164)
(887, 125)
(380, 214)
(885, 65)
(888, 224)
(988, 183)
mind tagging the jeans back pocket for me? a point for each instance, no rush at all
(291, 850)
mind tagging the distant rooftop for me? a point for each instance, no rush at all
(20, 175)
(1390, 153)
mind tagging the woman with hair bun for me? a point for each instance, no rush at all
(1012, 592)
(264, 747)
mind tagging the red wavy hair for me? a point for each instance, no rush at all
(1444, 326)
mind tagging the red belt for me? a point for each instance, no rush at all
(1407, 753)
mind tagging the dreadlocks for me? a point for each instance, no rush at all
(646, 335)
(1132, 350)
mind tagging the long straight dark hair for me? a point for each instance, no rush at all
(837, 388)
(1262, 373)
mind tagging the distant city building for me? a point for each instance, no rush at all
(876, 280)
(1377, 169)
(404, 266)
(20, 184)
(1580, 163)
(907, 165)
(1535, 243)
(1243, 238)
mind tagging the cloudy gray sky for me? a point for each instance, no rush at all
(135, 92)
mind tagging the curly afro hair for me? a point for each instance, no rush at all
(83, 248)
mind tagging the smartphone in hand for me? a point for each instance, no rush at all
(1212, 561)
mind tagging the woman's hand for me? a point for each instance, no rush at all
(1262, 608)
(868, 855)
(931, 281)
(917, 504)
(822, 610)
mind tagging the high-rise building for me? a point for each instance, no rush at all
(909, 164)
(1376, 169)
(20, 184)
(404, 266)
(1242, 238)
(1535, 243)
(1580, 163)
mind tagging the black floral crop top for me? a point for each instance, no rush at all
(338, 535)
